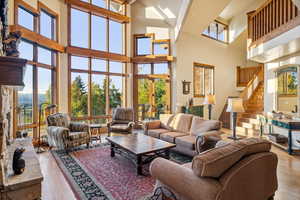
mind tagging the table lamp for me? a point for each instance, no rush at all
(209, 100)
(235, 105)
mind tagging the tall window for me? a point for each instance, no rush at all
(39, 90)
(40, 75)
(203, 80)
(102, 34)
(97, 76)
(217, 31)
(90, 80)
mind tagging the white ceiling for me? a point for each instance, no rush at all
(236, 7)
(168, 10)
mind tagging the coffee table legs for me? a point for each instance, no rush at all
(112, 150)
(139, 165)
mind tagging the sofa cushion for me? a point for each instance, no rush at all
(199, 125)
(119, 127)
(186, 141)
(166, 120)
(156, 132)
(153, 124)
(170, 136)
(181, 122)
(125, 114)
(215, 162)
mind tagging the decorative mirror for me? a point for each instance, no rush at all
(287, 89)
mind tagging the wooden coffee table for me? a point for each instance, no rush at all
(139, 148)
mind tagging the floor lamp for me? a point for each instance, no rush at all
(49, 107)
(235, 105)
(209, 100)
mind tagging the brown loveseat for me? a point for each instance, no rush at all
(182, 129)
(241, 170)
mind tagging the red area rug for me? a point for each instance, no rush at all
(93, 174)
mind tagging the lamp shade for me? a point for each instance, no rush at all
(210, 99)
(235, 105)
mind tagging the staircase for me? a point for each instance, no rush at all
(253, 97)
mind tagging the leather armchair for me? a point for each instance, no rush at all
(122, 121)
(64, 134)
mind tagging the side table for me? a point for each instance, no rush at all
(95, 131)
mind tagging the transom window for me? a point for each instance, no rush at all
(97, 35)
(26, 18)
(47, 25)
(203, 80)
(217, 31)
(147, 45)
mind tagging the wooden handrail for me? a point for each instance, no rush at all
(272, 19)
(252, 85)
(245, 74)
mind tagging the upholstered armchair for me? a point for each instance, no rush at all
(122, 121)
(244, 169)
(64, 134)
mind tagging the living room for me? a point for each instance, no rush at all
(150, 99)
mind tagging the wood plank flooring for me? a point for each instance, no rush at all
(55, 186)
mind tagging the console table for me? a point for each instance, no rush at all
(291, 126)
(26, 186)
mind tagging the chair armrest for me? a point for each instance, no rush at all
(183, 181)
(79, 127)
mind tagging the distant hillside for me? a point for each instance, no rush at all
(26, 99)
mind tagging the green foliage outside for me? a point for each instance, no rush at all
(79, 95)
(144, 95)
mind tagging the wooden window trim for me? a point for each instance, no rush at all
(151, 58)
(95, 10)
(78, 51)
(54, 87)
(37, 38)
(200, 65)
(141, 36)
(90, 72)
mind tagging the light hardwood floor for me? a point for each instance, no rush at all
(55, 186)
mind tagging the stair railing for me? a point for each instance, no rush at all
(252, 85)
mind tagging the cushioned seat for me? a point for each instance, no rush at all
(120, 127)
(186, 141)
(156, 132)
(170, 136)
(76, 135)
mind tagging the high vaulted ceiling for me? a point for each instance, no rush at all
(236, 7)
(166, 10)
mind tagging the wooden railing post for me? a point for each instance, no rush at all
(273, 17)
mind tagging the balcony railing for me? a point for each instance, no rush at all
(273, 18)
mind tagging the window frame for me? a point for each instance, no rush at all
(54, 85)
(203, 66)
(217, 27)
(90, 73)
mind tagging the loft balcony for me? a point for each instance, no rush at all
(272, 30)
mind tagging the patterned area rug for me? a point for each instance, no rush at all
(94, 175)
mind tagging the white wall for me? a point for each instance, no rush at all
(270, 100)
(224, 57)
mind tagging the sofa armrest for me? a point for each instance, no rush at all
(79, 127)
(183, 181)
(152, 124)
(206, 142)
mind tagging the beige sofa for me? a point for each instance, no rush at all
(183, 130)
(241, 170)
